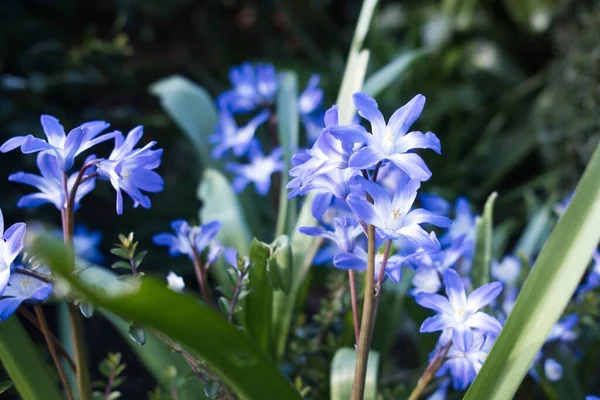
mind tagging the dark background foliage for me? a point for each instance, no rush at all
(512, 89)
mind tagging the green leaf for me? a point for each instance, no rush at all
(280, 265)
(159, 360)
(4, 386)
(342, 374)
(482, 258)
(192, 109)
(546, 292)
(227, 351)
(288, 131)
(221, 203)
(391, 72)
(24, 365)
(258, 306)
(536, 231)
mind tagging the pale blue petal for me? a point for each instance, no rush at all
(412, 164)
(455, 289)
(401, 121)
(484, 295)
(484, 322)
(368, 109)
(434, 302)
(365, 210)
(436, 323)
(366, 157)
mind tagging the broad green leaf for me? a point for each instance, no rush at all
(258, 306)
(305, 247)
(546, 292)
(157, 357)
(192, 109)
(482, 258)
(391, 72)
(24, 365)
(342, 374)
(287, 131)
(227, 351)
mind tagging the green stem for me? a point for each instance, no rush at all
(354, 301)
(364, 343)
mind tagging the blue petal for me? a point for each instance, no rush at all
(368, 109)
(462, 372)
(365, 210)
(417, 140)
(381, 198)
(12, 143)
(484, 295)
(484, 322)
(8, 306)
(420, 216)
(165, 239)
(311, 230)
(401, 121)
(33, 200)
(455, 289)
(412, 164)
(435, 323)
(349, 261)
(331, 116)
(53, 129)
(32, 144)
(320, 204)
(351, 134)
(366, 157)
(462, 337)
(434, 302)
(435, 203)
(14, 237)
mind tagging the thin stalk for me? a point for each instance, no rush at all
(354, 302)
(434, 365)
(59, 347)
(377, 295)
(52, 349)
(364, 343)
(201, 276)
(84, 385)
(234, 297)
(33, 274)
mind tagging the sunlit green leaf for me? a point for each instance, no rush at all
(482, 259)
(342, 374)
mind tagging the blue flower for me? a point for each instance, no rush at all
(258, 171)
(457, 311)
(86, 244)
(345, 233)
(358, 262)
(253, 86)
(23, 289)
(11, 245)
(50, 183)
(463, 225)
(389, 141)
(435, 203)
(441, 392)
(562, 331)
(188, 240)
(309, 108)
(466, 357)
(553, 370)
(230, 136)
(507, 271)
(431, 267)
(64, 147)
(130, 169)
(392, 215)
(592, 281)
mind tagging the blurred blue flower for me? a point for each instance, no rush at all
(507, 271)
(230, 136)
(392, 215)
(253, 86)
(459, 312)
(11, 245)
(188, 240)
(64, 147)
(435, 203)
(441, 392)
(24, 289)
(466, 357)
(553, 370)
(563, 331)
(50, 183)
(87, 244)
(431, 267)
(346, 231)
(463, 225)
(592, 281)
(130, 170)
(310, 108)
(391, 141)
(258, 171)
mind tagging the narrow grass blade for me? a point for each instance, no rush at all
(391, 72)
(342, 374)
(287, 131)
(482, 259)
(227, 351)
(24, 365)
(546, 292)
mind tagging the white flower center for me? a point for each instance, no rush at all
(396, 214)
(459, 315)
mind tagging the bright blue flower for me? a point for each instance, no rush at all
(230, 136)
(86, 244)
(345, 233)
(309, 108)
(358, 261)
(64, 147)
(50, 183)
(130, 170)
(389, 141)
(188, 240)
(23, 289)
(11, 244)
(591, 397)
(553, 370)
(434, 203)
(459, 312)
(253, 86)
(466, 357)
(258, 171)
(392, 215)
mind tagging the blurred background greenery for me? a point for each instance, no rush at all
(513, 89)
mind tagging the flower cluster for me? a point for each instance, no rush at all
(129, 169)
(254, 90)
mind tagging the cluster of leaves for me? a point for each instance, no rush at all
(111, 368)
